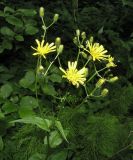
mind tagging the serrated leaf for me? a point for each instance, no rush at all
(5, 91)
(14, 21)
(7, 31)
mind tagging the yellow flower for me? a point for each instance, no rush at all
(42, 49)
(76, 77)
(96, 50)
(110, 62)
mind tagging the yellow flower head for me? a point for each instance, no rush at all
(96, 50)
(42, 49)
(76, 77)
(110, 62)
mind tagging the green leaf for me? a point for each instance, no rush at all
(19, 38)
(1, 144)
(9, 107)
(31, 30)
(44, 124)
(7, 31)
(27, 12)
(5, 91)
(5, 77)
(14, 21)
(1, 115)
(62, 155)
(100, 31)
(6, 44)
(8, 9)
(28, 79)
(37, 156)
(27, 104)
(29, 101)
(127, 3)
(2, 14)
(1, 49)
(3, 69)
(49, 90)
(26, 112)
(55, 139)
(55, 78)
(61, 130)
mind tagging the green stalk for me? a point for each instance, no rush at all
(51, 64)
(96, 74)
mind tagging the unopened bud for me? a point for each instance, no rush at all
(58, 42)
(91, 39)
(86, 72)
(84, 55)
(75, 40)
(56, 17)
(40, 68)
(78, 32)
(100, 82)
(60, 49)
(83, 35)
(110, 64)
(41, 12)
(112, 80)
(104, 92)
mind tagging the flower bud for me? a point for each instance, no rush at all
(83, 35)
(56, 17)
(75, 40)
(110, 64)
(100, 82)
(40, 68)
(84, 55)
(86, 72)
(58, 42)
(78, 32)
(91, 39)
(104, 92)
(41, 12)
(60, 49)
(112, 80)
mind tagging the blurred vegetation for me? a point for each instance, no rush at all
(100, 129)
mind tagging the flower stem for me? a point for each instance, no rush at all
(44, 28)
(36, 81)
(96, 73)
(86, 90)
(51, 64)
(87, 62)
